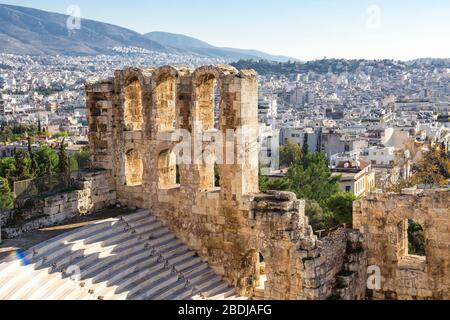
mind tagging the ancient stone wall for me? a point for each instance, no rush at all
(298, 264)
(383, 220)
(95, 191)
(228, 223)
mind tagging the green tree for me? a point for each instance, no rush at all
(47, 160)
(416, 239)
(312, 179)
(60, 135)
(6, 196)
(73, 163)
(64, 164)
(82, 158)
(341, 206)
(289, 154)
(319, 142)
(305, 147)
(433, 168)
(7, 168)
(266, 183)
(11, 133)
(23, 166)
(263, 180)
(316, 215)
(34, 165)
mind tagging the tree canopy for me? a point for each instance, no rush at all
(310, 178)
(289, 154)
(433, 168)
(6, 196)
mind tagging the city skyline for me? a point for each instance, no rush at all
(403, 30)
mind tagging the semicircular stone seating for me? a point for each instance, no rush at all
(132, 257)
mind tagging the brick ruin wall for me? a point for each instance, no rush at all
(382, 219)
(133, 120)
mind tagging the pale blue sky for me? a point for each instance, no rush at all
(305, 29)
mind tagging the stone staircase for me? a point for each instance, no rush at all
(132, 257)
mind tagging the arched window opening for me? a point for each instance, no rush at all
(133, 117)
(411, 239)
(168, 170)
(416, 239)
(216, 175)
(165, 104)
(216, 105)
(133, 168)
(259, 292)
(207, 99)
(209, 171)
(177, 169)
(254, 273)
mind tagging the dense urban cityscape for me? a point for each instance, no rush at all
(350, 110)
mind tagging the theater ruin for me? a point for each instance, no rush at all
(158, 139)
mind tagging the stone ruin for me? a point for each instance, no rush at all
(383, 220)
(134, 124)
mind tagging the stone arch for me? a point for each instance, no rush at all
(133, 168)
(249, 270)
(209, 96)
(252, 270)
(165, 102)
(206, 101)
(133, 103)
(182, 95)
(167, 169)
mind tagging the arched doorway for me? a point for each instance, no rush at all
(254, 274)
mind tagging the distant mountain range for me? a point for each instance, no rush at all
(193, 45)
(36, 32)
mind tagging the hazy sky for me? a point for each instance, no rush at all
(304, 29)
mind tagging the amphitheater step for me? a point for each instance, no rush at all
(130, 257)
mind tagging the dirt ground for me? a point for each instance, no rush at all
(28, 240)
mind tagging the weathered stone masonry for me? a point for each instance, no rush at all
(382, 219)
(229, 226)
(94, 190)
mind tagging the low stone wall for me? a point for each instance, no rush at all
(382, 219)
(334, 267)
(95, 192)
